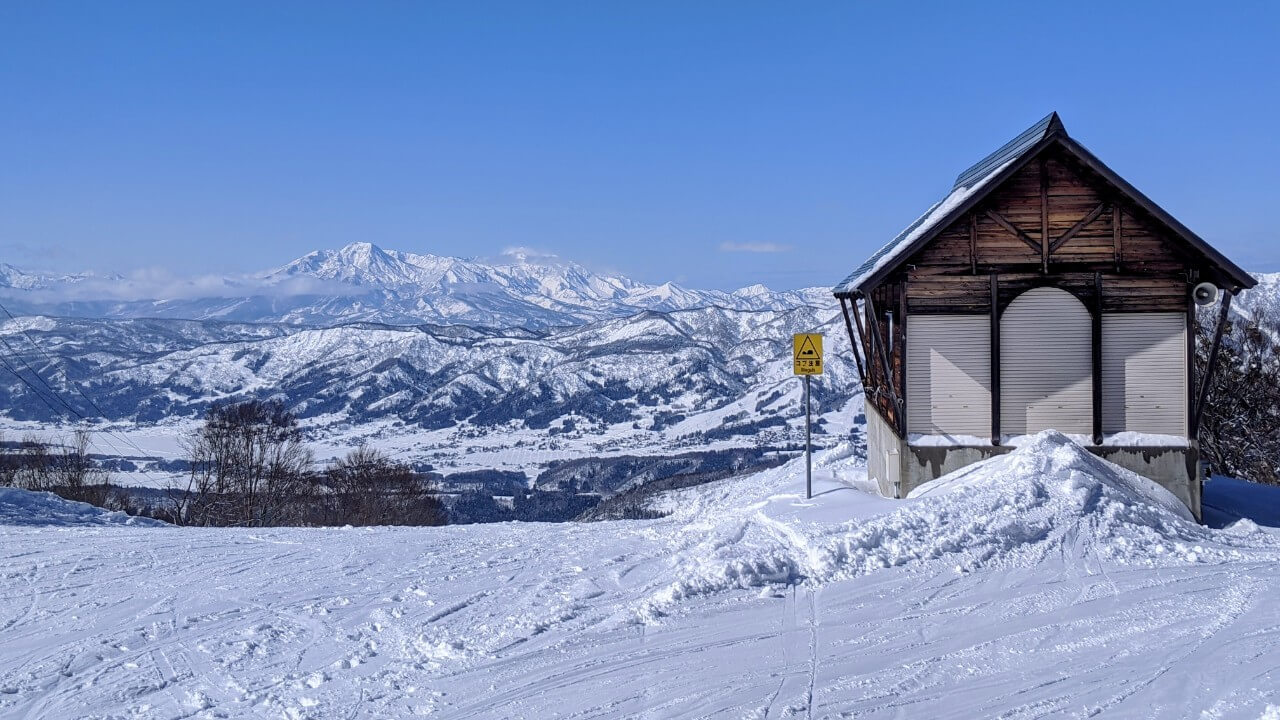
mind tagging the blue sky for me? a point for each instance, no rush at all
(666, 140)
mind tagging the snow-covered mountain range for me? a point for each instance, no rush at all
(447, 357)
(362, 282)
(706, 370)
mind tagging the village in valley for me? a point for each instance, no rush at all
(587, 362)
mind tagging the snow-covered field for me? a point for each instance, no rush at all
(457, 449)
(1045, 583)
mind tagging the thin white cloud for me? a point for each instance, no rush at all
(151, 284)
(754, 247)
(521, 253)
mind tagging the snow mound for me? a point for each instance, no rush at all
(24, 507)
(1050, 497)
(1050, 458)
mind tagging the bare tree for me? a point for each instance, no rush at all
(368, 488)
(1240, 425)
(74, 473)
(8, 465)
(33, 464)
(249, 467)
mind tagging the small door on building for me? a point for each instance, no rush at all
(949, 375)
(1144, 373)
(1046, 364)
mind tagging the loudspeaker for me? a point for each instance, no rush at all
(1205, 293)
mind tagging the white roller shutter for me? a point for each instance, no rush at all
(949, 375)
(1046, 364)
(1144, 373)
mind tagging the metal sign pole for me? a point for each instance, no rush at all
(808, 444)
(806, 351)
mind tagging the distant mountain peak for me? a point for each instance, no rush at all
(361, 281)
(752, 291)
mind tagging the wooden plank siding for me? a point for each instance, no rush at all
(1142, 269)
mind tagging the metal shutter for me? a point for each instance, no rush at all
(949, 375)
(1144, 373)
(1046, 364)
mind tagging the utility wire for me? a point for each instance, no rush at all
(61, 369)
(26, 382)
(67, 378)
(53, 393)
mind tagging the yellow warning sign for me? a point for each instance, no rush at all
(807, 353)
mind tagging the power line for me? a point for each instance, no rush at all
(61, 369)
(26, 382)
(53, 393)
(67, 378)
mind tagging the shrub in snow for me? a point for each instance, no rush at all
(1240, 428)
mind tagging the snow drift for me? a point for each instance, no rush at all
(24, 507)
(1050, 496)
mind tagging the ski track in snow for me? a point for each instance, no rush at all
(747, 602)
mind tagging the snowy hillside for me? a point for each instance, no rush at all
(512, 398)
(362, 282)
(1086, 594)
(1261, 300)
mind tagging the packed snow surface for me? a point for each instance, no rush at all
(1042, 583)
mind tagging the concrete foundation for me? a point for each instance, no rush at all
(899, 467)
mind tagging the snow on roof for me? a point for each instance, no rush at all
(967, 183)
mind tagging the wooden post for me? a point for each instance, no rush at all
(1097, 358)
(877, 339)
(902, 352)
(853, 341)
(1044, 216)
(1213, 359)
(866, 344)
(1117, 220)
(973, 242)
(1193, 333)
(995, 360)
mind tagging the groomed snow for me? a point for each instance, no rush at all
(1043, 583)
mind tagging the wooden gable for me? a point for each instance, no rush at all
(1091, 228)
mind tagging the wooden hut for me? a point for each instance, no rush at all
(1044, 291)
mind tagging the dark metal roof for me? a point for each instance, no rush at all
(976, 176)
(1010, 150)
(972, 184)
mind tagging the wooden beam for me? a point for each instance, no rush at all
(1044, 215)
(973, 242)
(902, 351)
(995, 360)
(1097, 358)
(1075, 229)
(1117, 218)
(999, 220)
(877, 339)
(1192, 335)
(866, 344)
(853, 341)
(1209, 366)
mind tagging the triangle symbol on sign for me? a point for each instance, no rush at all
(807, 350)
